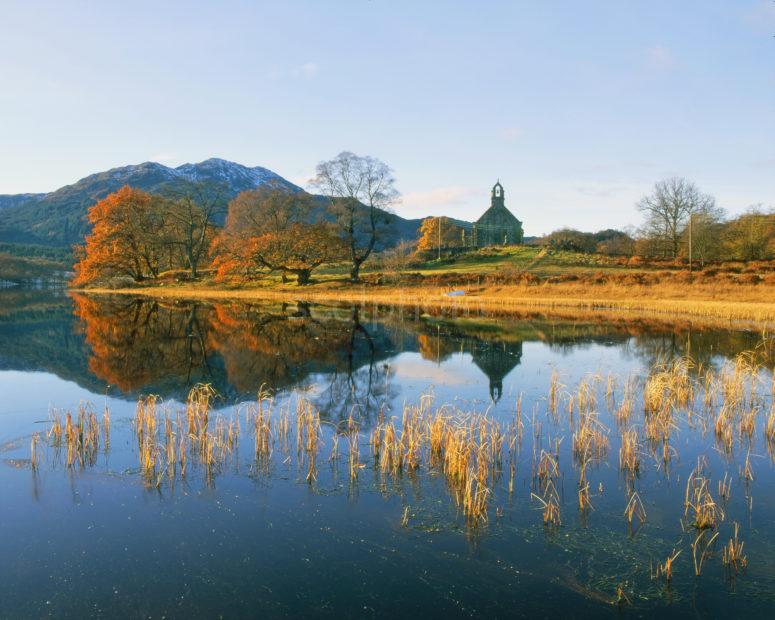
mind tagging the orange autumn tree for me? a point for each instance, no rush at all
(124, 240)
(452, 235)
(274, 230)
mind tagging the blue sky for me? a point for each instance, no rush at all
(578, 107)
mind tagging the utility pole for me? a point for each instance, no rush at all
(690, 241)
(439, 238)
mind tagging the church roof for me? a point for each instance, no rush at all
(499, 212)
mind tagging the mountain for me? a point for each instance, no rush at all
(13, 200)
(58, 218)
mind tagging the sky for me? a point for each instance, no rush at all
(577, 107)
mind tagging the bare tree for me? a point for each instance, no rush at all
(398, 258)
(704, 236)
(361, 189)
(668, 209)
(190, 226)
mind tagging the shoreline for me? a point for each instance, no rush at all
(740, 308)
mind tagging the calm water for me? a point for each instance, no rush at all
(97, 540)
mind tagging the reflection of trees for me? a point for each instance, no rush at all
(706, 347)
(147, 345)
(135, 342)
(273, 348)
(361, 384)
(142, 344)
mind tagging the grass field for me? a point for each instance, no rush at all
(488, 260)
(512, 280)
(531, 259)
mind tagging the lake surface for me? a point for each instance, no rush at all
(291, 533)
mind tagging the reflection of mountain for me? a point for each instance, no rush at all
(142, 345)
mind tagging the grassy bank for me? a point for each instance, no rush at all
(523, 279)
(732, 304)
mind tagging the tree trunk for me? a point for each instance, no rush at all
(302, 276)
(355, 272)
(192, 263)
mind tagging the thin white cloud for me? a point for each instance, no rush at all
(302, 179)
(168, 159)
(307, 70)
(660, 57)
(510, 133)
(599, 190)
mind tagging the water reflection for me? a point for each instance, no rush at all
(344, 354)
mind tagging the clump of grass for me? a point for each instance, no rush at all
(547, 470)
(732, 556)
(635, 510)
(665, 569)
(725, 488)
(55, 431)
(106, 428)
(746, 470)
(610, 391)
(701, 544)
(308, 436)
(354, 450)
(669, 386)
(262, 434)
(554, 393)
(585, 501)
(585, 398)
(706, 513)
(769, 429)
(35, 451)
(629, 457)
(723, 428)
(550, 505)
(591, 438)
(623, 412)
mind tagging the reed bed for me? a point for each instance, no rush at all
(475, 456)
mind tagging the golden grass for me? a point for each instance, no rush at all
(711, 303)
(635, 510)
(665, 569)
(732, 555)
(699, 503)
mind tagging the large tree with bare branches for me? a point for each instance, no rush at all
(667, 211)
(189, 225)
(360, 189)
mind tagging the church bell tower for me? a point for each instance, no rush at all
(497, 199)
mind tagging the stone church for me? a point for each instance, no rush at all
(497, 226)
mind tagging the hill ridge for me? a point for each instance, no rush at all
(58, 218)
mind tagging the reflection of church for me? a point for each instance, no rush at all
(496, 360)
